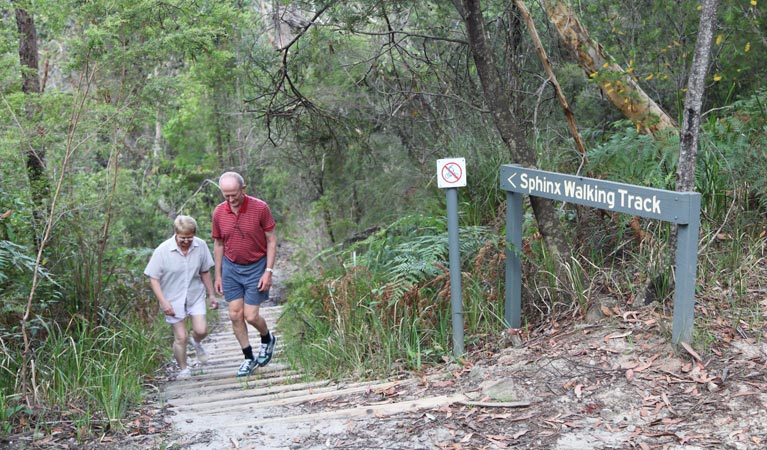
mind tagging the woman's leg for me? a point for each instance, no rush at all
(179, 343)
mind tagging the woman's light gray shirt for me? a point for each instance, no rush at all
(179, 274)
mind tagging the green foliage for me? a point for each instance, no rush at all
(656, 40)
(482, 200)
(388, 304)
(634, 158)
(10, 412)
(16, 269)
(733, 158)
(97, 370)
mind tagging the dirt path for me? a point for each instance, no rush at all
(273, 408)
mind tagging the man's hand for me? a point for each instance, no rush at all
(217, 285)
(265, 282)
(213, 303)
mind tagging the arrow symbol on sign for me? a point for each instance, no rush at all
(511, 182)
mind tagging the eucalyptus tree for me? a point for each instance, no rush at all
(619, 85)
(422, 77)
(688, 148)
(496, 95)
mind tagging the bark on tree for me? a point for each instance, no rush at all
(688, 142)
(693, 102)
(34, 154)
(28, 52)
(617, 84)
(499, 102)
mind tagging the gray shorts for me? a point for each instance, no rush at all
(241, 281)
(183, 308)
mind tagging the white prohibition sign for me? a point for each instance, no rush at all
(451, 172)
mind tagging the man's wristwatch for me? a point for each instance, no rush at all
(270, 270)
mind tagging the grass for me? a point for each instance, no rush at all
(85, 375)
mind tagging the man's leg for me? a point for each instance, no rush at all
(237, 316)
(254, 318)
(268, 340)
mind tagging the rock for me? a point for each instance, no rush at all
(506, 390)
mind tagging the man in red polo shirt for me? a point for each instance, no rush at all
(244, 249)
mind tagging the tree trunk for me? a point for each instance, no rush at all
(693, 102)
(688, 142)
(34, 154)
(499, 101)
(619, 87)
(28, 52)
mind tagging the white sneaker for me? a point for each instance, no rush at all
(202, 355)
(184, 374)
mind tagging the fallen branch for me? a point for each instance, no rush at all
(522, 404)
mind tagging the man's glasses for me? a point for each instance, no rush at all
(185, 238)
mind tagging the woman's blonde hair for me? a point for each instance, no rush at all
(185, 224)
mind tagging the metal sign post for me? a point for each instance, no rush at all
(681, 208)
(451, 174)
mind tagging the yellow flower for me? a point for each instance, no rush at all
(753, 3)
(717, 77)
(748, 46)
(719, 39)
(649, 77)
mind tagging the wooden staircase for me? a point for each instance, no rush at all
(275, 408)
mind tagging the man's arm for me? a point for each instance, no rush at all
(271, 252)
(218, 257)
(271, 248)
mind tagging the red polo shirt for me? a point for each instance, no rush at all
(243, 233)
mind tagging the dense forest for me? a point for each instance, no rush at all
(116, 116)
